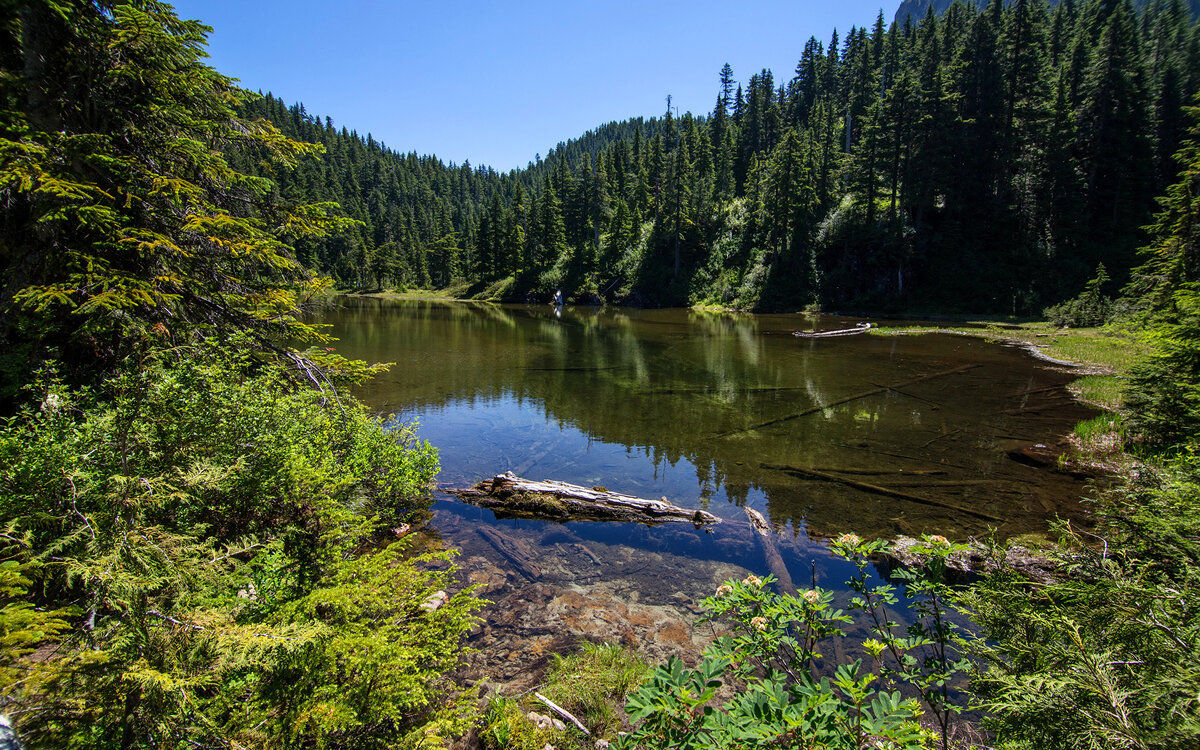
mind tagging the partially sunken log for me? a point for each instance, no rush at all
(860, 328)
(511, 496)
(976, 561)
(765, 536)
(516, 552)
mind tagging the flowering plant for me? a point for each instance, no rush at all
(789, 690)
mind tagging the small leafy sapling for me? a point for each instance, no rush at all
(927, 654)
(783, 694)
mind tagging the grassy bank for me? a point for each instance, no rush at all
(1101, 356)
(451, 293)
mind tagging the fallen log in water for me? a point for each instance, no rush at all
(883, 472)
(765, 536)
(860, 328)
(509, 495)
(876, 489)
(516, 552)
(848, 399)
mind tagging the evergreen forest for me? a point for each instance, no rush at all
(988, 159)
(206, 539)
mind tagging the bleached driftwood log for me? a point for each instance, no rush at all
(860, 328)
(510, 495)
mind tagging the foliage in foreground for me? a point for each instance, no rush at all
(122, 212)
(789, 691)
(590, 683)
(1108, 656)
(203, 529)
(191, 550)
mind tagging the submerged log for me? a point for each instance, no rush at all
(883, 472)
(515, 552)
(848, 399)
(877, 490)
(765, 536)
(509, 495)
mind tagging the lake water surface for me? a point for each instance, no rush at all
(718, 411)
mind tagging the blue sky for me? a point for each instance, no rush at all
(498, 83)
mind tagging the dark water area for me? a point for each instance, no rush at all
(717, 411)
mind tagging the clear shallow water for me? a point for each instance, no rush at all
(708, 410)
(663, 402)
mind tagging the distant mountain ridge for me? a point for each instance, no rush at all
(916, 9)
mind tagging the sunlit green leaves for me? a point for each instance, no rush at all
(784, 693)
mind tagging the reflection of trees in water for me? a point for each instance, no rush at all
(667, 382)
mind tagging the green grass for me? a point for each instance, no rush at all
(1108, 353)
(1104, 391)
(590, 683)
(1100, 433)
(1108, 348)
(455, 291)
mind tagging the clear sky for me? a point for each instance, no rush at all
(498, 83)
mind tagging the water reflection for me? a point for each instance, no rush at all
(714, 409)
(709, 410)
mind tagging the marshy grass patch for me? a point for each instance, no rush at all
(1115, 350)
(456, 290)
(1104, 391)
(1108, 350)
(592, 684)
(1101, 436)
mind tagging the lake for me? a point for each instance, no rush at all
(715, 411)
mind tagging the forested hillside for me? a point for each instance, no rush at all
(419, 218)
(915, 10)
(987, 160)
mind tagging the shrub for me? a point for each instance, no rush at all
(1107, 656)
(1091, 308)
(789, 693)
(205, 530)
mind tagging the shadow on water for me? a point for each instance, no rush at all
(710, 410)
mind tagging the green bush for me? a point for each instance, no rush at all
(206, 531)
(1090, 309)
(1107, 656)
(789, 693)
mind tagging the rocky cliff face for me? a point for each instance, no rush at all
(916, 9)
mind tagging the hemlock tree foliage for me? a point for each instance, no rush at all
(990, 158)
(193, 515)
(1107, 656)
